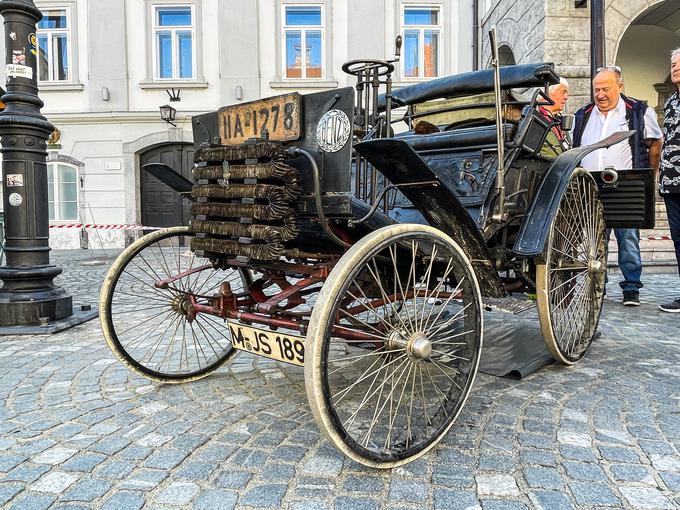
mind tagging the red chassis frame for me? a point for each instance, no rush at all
(270, 310)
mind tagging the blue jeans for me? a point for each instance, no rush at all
(630, 261)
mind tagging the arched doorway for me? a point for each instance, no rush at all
(644, 51)
(506, 57)
(160, 205)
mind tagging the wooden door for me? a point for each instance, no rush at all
(160, 205)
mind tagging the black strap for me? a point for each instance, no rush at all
(578, 135)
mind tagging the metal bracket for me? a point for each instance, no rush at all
(330, 103)
(226, 174)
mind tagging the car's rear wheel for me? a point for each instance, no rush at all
(571, 278)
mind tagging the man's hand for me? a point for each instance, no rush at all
(654, 145)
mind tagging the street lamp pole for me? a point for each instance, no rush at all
(28, 296)
(597, 36)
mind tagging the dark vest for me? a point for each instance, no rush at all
(635, 115)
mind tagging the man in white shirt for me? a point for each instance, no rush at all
(612, 111)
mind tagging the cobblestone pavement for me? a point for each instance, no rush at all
(78, 430)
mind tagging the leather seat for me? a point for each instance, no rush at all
(458, 138)
(475, 82)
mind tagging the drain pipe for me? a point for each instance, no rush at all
(475, 35)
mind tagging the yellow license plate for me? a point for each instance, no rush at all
(279, 115)
(270, 344)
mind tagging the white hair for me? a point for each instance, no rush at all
(563, 83)
(612, 69)
(675, 53)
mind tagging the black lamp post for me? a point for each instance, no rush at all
(597, 37)
(28, 296)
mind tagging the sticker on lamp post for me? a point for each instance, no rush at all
(15, 200)
(19, 71)
(15, 180)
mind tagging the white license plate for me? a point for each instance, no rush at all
(270, 344)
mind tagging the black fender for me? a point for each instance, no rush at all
(400, 164)
(535, 229)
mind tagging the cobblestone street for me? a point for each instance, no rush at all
(79, 430)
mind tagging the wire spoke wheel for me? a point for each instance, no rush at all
(393, 345)
(570, 282)
(150, 329)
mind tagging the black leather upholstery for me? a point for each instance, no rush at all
(458, 138)
(475, 82)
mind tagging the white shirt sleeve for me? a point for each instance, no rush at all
(652, 129)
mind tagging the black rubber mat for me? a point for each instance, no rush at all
(513, 344)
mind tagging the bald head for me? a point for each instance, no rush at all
(607, 86)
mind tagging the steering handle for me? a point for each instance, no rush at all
(357, 67)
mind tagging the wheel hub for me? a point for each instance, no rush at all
(396, 341)
(595, 266)
(419, 346)
(181, 305)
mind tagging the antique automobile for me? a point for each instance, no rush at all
(321, 238)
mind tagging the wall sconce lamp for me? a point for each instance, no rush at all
(168, 114)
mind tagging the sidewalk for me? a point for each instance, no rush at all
(78, 430)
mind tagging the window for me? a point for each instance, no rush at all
(54, 43)
(62, 191)
(303, 41)
(173, 39)
(421, 27)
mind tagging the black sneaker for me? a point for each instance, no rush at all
(631, 298)
(673, 307)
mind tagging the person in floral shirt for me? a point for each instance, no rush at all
(669, 170)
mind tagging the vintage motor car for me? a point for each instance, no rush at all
(321, 238)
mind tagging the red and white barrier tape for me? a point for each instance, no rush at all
(142, 227)
(105, 227)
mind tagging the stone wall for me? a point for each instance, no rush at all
(520, 24)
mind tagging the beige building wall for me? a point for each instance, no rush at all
(108, 116)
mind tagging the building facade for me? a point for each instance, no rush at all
(107, 66)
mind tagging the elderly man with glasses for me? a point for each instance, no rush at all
(613, 111)
(669, 174)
